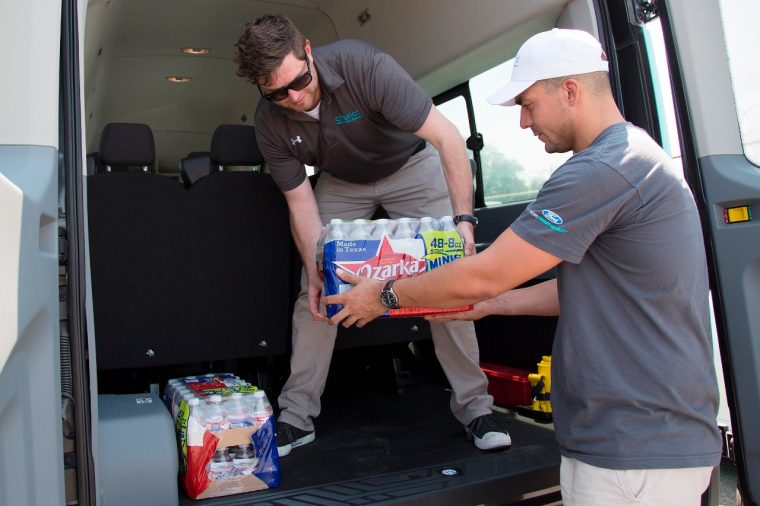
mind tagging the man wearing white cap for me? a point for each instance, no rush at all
(634, 391)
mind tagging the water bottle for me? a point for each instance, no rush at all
(262, 410)
(234, 381)
(167, 397)
(220, 467)
(195, 409)
(171, 386)
(215, 416)
(249, 401)
(359, 229)
(404, 229)
(237, 412)
(337, 230)
(379, 229)
(187, 397)
(427, 224)
(177, 395)
(447, 223)
(244, 461)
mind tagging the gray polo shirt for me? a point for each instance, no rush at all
(633, 381)
(369, 108)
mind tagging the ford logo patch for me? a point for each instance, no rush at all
(552, 216)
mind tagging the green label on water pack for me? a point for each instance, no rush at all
(441, 247)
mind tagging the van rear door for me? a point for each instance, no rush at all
(716, 84)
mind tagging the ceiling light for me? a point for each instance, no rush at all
(196, 50)
(178, 79)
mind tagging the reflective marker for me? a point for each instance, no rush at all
(737, 214)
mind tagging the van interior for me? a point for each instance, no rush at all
(192, 265)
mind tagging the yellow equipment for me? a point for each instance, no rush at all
(542, 385)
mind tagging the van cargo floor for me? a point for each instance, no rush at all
(375, 445)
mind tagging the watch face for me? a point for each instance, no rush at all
(388, 298)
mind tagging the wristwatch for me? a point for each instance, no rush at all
(388, 296)
(466, 217)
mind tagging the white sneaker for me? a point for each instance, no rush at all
(289, 437)
(487, 433)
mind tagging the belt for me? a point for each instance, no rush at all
(419, 147)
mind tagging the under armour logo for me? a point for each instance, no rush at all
(297, 140)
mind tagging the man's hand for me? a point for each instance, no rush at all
(315, 293)
(467, 231)
(361, 304)
(477, 312)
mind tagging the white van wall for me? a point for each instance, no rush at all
(31, 442)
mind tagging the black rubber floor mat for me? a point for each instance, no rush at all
(368, 429)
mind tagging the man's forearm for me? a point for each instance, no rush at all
(306, 233)
(536, 300)
(509, 262)
(458, 180)
(440, 132)
(305, 223)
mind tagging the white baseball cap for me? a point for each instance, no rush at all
(556, 53)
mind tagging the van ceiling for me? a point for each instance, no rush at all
(131, 46)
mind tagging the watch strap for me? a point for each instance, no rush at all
(466, 217)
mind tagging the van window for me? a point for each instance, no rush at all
(663, 90)
(741, 44)
(514, 162)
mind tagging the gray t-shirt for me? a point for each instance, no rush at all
(633, 381)
(369, 108)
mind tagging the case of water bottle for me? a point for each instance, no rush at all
(387, 249)
(225, 435)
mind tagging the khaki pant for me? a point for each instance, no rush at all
(417, 189)
(586, 485)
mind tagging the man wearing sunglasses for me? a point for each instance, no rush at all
(377, 139)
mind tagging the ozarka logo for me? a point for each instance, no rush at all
(342, 119)
(386, 264)
(549, 218)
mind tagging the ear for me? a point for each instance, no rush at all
(307, 47)
(571, 91)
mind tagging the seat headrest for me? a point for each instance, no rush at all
(127, 144)
(235, 145)
(194, 168)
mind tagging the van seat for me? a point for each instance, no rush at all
(190, 275)
(235, 145)
(193, 168)
(126, 145)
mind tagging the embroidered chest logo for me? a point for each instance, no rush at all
(349, 117)
(296, 140)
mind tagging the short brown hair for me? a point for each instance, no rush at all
(597, 82)
(264, 44)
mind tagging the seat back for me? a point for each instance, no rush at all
(186, 275)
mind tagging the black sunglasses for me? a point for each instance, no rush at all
(296, 84)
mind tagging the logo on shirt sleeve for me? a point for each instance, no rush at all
(550, 219)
